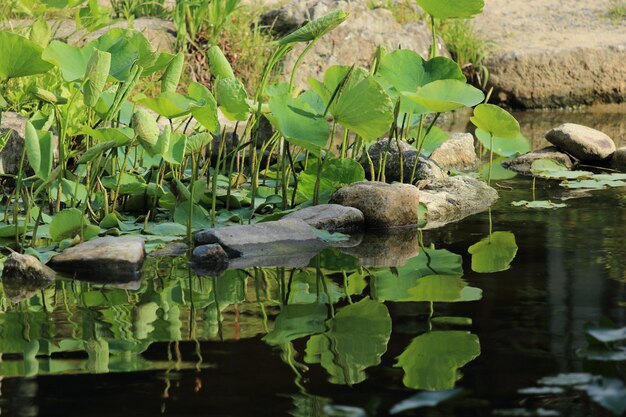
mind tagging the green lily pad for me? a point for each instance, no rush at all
(541, 204)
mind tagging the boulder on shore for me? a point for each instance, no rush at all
(457, 153)
(582, 142)
(383, 205)
(110, 259)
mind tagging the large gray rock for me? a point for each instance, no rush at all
(24, 275)
(271, 240)
(618, 161)
(582, 142)
(383, 205)
(390, 153)
(522, 164)
(108, 258)
(457, 153)
(353, 42)
(331, 217)
(12, 127)
(455, 198)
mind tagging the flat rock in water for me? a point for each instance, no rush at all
(618, 161)
(399, 167)
(278, 239)
(582, 142)
(172, 250)
(455, 198)
(522, 164)
(24, 275)
(383, 205)
(458, 153)
(112, 259)
(330, 217)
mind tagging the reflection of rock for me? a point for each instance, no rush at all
(383, 205)
(523, 163)
(457, 153)
(106, 258)
(365, 27)
(388, 152)
(172, 249)
(210, 258)
(618, 161)
(289, 243)
(392, 248)
(455, 198)
(582, 142)
(24, 275)
(331, 217)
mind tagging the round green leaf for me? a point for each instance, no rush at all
(495, 120)
(20, 57)
(446, 95)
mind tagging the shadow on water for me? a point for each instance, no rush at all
(394, 324)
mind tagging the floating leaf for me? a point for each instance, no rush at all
(69, 223)
(493, 253)
(592, 184)
(432, 360)
(540, 204)
(549, 168)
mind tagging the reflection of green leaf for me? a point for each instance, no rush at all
(498, 172)
(504, 146)
(493, 253)
(610, 393)
(356, 339)
(432, 360)
(296, 321)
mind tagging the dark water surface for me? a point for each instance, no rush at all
(263, 342)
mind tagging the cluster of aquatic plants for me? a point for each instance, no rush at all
(96, 148)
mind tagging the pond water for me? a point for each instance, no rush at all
(343, 336)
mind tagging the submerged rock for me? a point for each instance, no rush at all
(330, 217)
(24, 275)
(523, 163)
(108, 258)
(582, 142)
(618, 161)
(457, 153)
(382, 150)
(277, 239)
(455, 198)
(383, 205)
(209, 259)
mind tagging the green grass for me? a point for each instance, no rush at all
(617, 9)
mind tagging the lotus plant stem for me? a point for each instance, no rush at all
(433, 29)
(490, 157)
(344, 143)
(533, 187)
(298, 61)
(345, 287)
(419, 139)
(295, 177)
(214, 180)
(430, 127)
(18, 190)
(194, 167)
(115, 197)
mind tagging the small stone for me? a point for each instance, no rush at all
(523, 163)
(456, 153)
(24, 275)
(581, 142)
(455, 198)
(105, 258)
(382, 150)
(281, 238)
(210, 258)
(383, 205)
(618, 161)
(330, 217)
